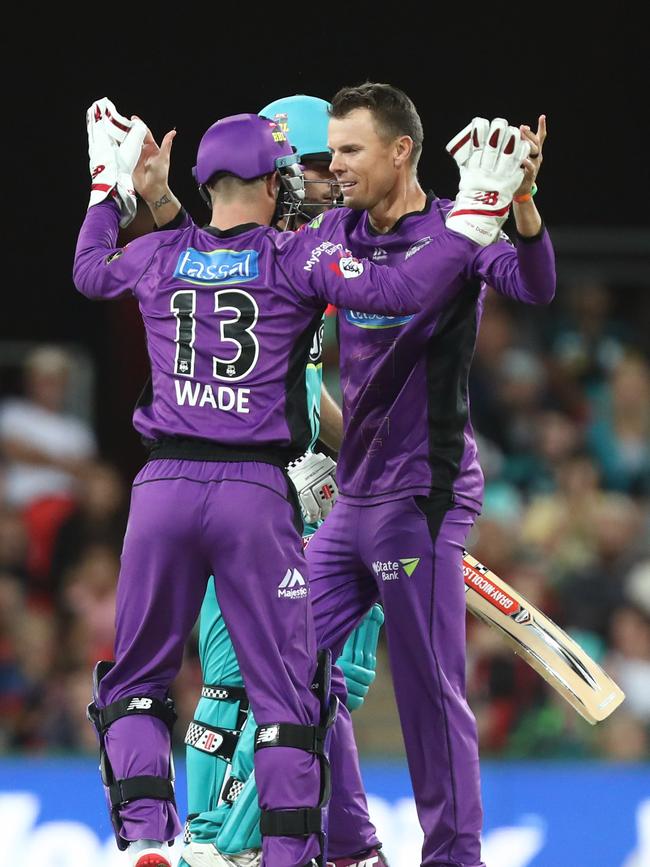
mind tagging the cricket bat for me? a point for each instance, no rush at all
(548, 649)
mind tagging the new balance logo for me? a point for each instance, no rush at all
(267, 735)
(139, 704)
(292, 586)
(487, 197)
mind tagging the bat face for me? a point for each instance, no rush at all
(548, 649)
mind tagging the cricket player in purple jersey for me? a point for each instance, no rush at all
(222, 828)
(230, 313)
(410, 483)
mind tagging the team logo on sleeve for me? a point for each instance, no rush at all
(217, 267)
(350, 267)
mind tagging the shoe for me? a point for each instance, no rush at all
(372, 858)
(148, 853)
(206, 855)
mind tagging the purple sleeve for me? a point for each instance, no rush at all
(318, 272)
(525, 272)
(101, 269)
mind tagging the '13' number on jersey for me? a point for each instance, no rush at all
(237, 329)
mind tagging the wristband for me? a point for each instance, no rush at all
(526, 197)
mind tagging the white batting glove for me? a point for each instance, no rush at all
(489, 156)
(112, 164)
(313, 476)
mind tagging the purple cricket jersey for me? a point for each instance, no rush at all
(407, 428)
(230, 318)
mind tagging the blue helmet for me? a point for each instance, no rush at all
(304, 120)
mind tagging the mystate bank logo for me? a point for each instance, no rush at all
(217, 267)
(375, 320)
(392, 570)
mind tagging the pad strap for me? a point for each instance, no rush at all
(311, 739)
(231, 790)
(224, 692)
(212, 740)
(291, 823)
(132, 788)
(135, 705)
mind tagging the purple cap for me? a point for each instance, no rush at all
(245, 145)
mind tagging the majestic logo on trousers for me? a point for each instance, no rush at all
(292, 586)
(389, 570)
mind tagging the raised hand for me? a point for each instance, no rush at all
(533, 162)
(151, 174)
(490, 159)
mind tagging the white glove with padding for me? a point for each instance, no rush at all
(112, 163)
(314, 478)
(489, 157)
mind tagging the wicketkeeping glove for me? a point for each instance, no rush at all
(313, 476)
(489, 156)
(111, 165)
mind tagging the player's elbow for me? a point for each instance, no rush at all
(547, 293)
(82, 278)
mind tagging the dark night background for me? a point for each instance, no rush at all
(591, 81)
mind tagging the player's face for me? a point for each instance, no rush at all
(318, 188)
(362, 159)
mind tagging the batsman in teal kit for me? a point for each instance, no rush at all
(230, 315)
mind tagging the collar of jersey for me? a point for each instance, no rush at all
(427, 205)
(234, 230)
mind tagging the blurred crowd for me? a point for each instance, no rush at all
(560, 403)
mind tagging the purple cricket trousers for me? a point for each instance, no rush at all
(408, 555)
(190, 519)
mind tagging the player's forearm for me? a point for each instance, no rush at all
(401, 290)
(331, 421)
(163, 205)
(527, 218)
(525, 273)
(537, 278)
(96, 245)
